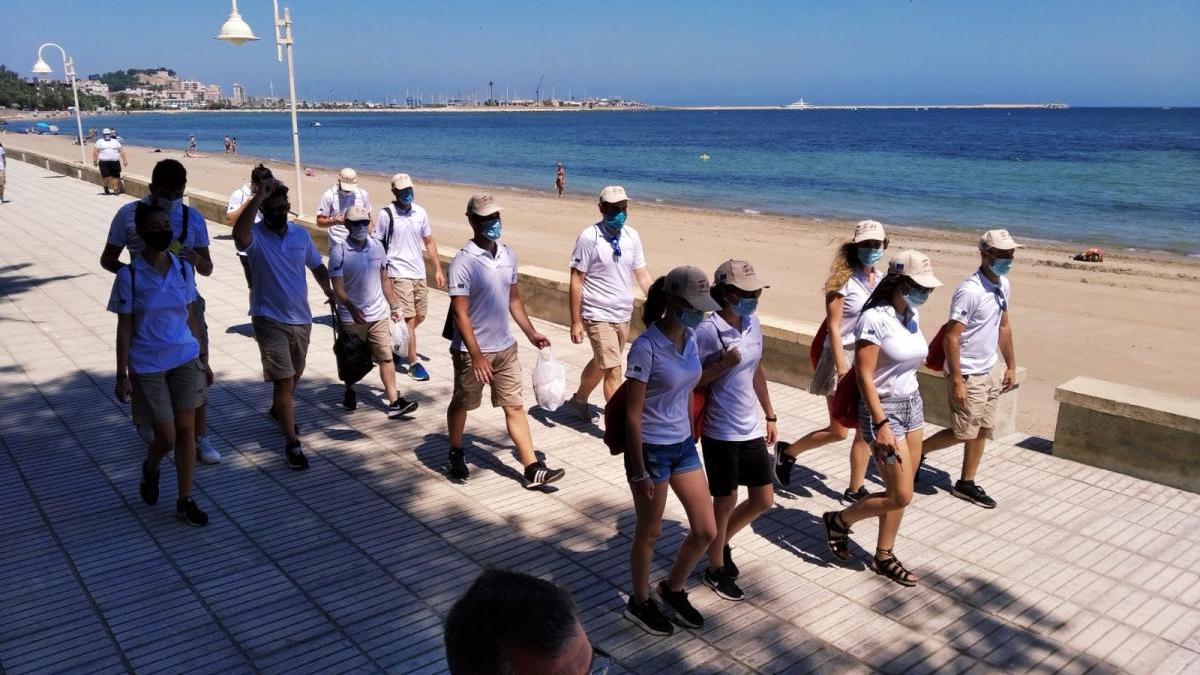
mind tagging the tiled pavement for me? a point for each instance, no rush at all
(353, 564)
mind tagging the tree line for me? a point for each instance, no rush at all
(17, 94)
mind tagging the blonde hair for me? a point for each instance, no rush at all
(844, 264)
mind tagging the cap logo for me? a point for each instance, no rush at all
(899, 267)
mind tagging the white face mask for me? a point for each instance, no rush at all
(359, 232)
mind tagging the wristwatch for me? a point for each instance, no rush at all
(879, 425)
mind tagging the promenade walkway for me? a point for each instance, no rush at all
(352, 565)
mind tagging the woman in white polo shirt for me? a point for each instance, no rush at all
(734, 437)
(664, 367)
(888, 351)
(852, 277)
(159, 360)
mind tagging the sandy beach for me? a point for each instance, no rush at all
(1128, 320)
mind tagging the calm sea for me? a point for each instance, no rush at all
(1124, 177)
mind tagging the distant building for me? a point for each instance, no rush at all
(159, 78)
(239, 95)
(212, 94)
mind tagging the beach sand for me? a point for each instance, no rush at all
(1129, 320)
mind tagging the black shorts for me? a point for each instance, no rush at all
(729, 464)
(110, 169)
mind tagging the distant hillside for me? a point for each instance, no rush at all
(120, 80)
(17, 93)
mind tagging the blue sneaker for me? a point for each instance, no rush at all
(418, 372)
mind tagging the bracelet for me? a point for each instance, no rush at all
(639, 478)
(772, 418)
(879, 425)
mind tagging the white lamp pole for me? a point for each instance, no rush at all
(43, 68)
(236, 31)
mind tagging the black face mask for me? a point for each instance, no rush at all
(159, 240)
(276, 220)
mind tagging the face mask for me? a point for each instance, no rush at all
(745, 306)
(869, 256)
(358, 232)
(615, 221)
(1001, 266)
(492, 230)
(690, 318)
(916, 296)
(159, 240)
(405, 198)
(168, 204)
(276, 220)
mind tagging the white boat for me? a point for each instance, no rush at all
(798, 105)
(315, 124)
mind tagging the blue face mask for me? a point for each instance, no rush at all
(1001, 266)
(492, 230)
(745, 306)
(690, 317)
(869, 256)
(916, 296)
(615, 221)
(405, 198)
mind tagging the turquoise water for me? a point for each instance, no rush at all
(1124, 177)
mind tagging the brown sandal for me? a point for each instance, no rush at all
(837, 535)
(892, 568)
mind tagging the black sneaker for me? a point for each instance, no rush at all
(458, 465)
(400, 407)
(349, 399)
(685, 614)
(187, 511)
(295, 457)
(537, 475)
(295, 426)
(856, 495)
(720, 581)
(967, 490)
(649, 617)
(730, 569)
(783, 463)
(149, 486)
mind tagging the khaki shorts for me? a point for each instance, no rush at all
(283, 347)
(983, 391)
(608, 342)
(413, 296)
(156, 396)
(1, 179)
(378, 334)
(506, 380)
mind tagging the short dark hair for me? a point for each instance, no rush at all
(506, 610)
(259, 174)
(169, 173)
(143, 211)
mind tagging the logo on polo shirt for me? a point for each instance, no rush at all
(637, 369)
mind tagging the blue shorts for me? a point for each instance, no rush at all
(903, 415)
(663, 461)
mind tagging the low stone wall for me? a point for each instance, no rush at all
(1134, 431)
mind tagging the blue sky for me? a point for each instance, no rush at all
(1102, 52)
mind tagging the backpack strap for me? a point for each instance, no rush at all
(183, 233)
(387, 238)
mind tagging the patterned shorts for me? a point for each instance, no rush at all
(903, 414)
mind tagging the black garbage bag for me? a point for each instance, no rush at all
(353, 354)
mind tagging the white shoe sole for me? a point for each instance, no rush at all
(642, 624)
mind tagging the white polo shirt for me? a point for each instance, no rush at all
(670, 378)
(122, 231)
(855, 293)
(902, 349)
(608, 278)
(359, 268)
(732, 413)
(3, 160)
(978, 305)
(404, 234)
(279, 289)
(241, 196)
(161, 339)
(333, 202)
(486, 282)
(109, 151)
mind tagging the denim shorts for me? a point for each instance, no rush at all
(903, 414)
(664, 461)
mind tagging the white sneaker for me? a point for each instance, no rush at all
(208, 454)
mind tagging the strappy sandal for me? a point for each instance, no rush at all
(892, 568)
(837, 535)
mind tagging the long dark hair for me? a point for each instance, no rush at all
(882, 295)
(656, 302)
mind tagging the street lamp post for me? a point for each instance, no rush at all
(236, 31)
(43, 68)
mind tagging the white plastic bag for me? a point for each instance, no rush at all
(549, 381)
(400, 338)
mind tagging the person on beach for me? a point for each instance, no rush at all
(734, 437)
(851, 279)
(278, 252)
(664, 368)
(331, 211)
(483, 294)
(560, 179)
(358, 268)
(162, 363)
(403, 229)
(3, 168)
(889, 348)
(168, 181)
(228, 145)
(233, 146)
(239, 200)
(979, 327)
(607, 259)
(191, 149)
(109, 155)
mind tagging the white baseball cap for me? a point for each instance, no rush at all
(357, 214)
(401, 181)
(739, 274)
(691, 284)
(998, 239)
(613, 194)
(868, 230)
(347, 179)
(483, 205)
(916, 266)
(106, 130)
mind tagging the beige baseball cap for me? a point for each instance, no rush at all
(739, 274)
(613, 194)
(998, 239)
(868, 230)
(401, 181)
(916, 266)
(691, 284)
(348, 179)
(483, 205)
(356, 214)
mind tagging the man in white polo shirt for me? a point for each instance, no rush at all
(979, 327)
(607, 259)
(331, 211)
(403, 228)
(108, 154)
(483, 294)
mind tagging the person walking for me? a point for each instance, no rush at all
(664, 367)
(979, 326)
(278, 252)
(228, 145)
(3, 168)
(191, 149)
(161, 364)
(109, 155)
(851, 279)
(233, 146)
(734, 438)
(889, 349)
(238, 201)
(560, 179)
(331, 210)
(607, 259)
(404, 230)
(483, 294)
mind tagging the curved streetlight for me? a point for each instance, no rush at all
(236, 31)
(43, 68)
